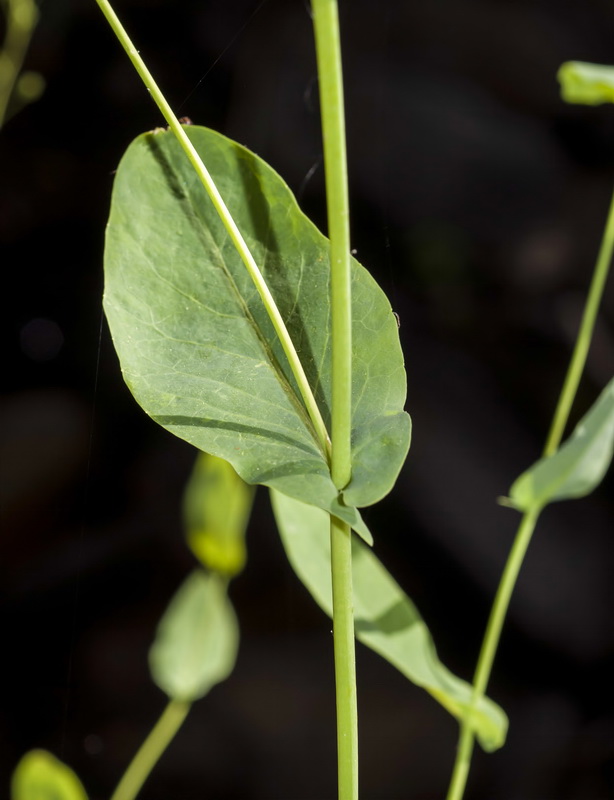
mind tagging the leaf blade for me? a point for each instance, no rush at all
(386, 619)
(578, 466)
(41, 776)
(196, 346)
(197, 639)
(216, 509)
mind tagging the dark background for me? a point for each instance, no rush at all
(478, 201)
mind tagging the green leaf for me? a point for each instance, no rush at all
(587, 84)
(197, 348)
(41, 776)
(216, 509)
(197, 639)
(578, 466)
(386, 620)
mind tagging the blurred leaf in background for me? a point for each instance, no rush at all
(17, 88)
(216, 509)
(586, 84)
(197, 639)
(41, 776)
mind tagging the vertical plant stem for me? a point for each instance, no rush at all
(150, 751)
(529, 519)
(328, 52)
(228, 222)
(345, 659)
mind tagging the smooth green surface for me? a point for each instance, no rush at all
(386, 620)
(216, 509)
(330, 83)
(197, 639)
(152, 749)
(197, 347)
(578, 466)
(585, 83)
(41, 776)
(339, 569)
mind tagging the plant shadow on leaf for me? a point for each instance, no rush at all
(396, 618)
(175, 421)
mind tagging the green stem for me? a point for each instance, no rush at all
(228, 222)
(345, 659)
(489, 650)
(150, 751)
(585, 334)
(21, 19)
(529, 519)
(328, 51)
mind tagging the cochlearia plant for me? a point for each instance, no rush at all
(245, 331)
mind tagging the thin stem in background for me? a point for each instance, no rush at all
(585, 334)
(230, 225)
(150, 751)
(529, 518)
(488, 651)
(328, 52)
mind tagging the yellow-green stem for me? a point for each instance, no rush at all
(585, 334)
(529, 519)
(228, 222)
(489, 649)
(328, 52)
(345, 659)
(150, 751)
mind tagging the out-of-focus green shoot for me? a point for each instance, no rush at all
(586, 84)
(41, 776)
(198, 636)
(17, 88)
(216, 510)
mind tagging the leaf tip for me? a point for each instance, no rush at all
(507, 502)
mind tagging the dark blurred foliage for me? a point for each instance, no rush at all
(478, 201)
